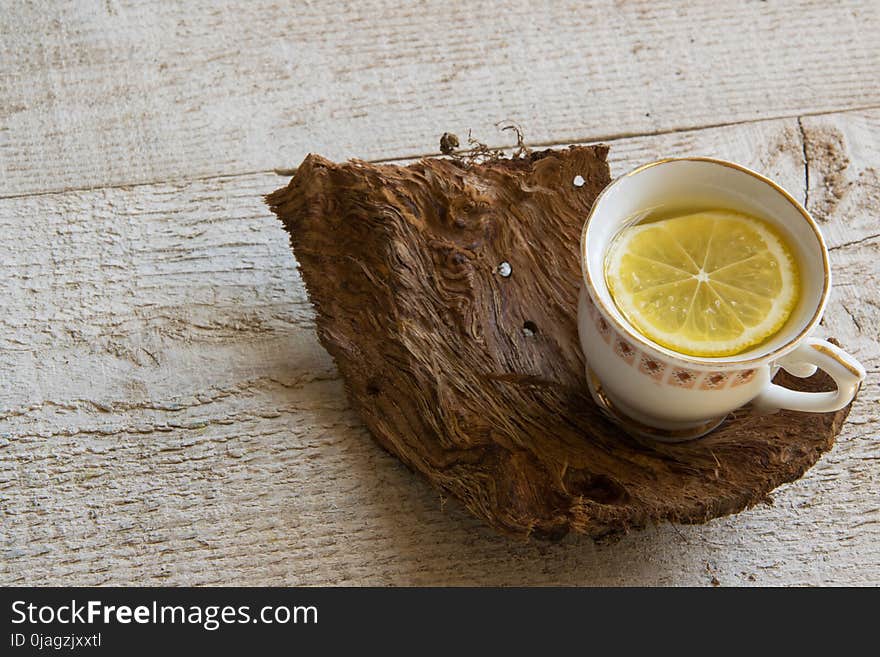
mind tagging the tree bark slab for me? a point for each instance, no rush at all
(474, 378)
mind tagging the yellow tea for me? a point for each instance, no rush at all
(704, 282)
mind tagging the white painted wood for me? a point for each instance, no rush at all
(167, 415)
(131, 91)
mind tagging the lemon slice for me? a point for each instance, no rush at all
(711, 283)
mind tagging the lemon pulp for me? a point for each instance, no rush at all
(709, 283)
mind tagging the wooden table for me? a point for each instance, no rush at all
(167, 415)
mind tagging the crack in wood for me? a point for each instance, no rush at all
(610, 137)
(852, 317)
(806, 159)
(861, 240)
(556, 143)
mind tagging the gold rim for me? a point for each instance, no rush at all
(709, 362)
(822, 349)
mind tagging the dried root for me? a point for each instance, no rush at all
(478, 152)
(521, 149)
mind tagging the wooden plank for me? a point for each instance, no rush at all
(133, 91)
(167, 415)
(843, 153)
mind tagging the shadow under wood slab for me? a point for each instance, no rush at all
(469, 370)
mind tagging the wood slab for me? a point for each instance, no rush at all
(475, 379)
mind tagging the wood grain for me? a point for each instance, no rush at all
(167, 415)
(132, 91)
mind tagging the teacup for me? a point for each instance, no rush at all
(653, 391)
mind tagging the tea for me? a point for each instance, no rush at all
(705, 282)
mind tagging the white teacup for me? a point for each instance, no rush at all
(654, 391)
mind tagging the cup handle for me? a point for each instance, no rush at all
(846, 371)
